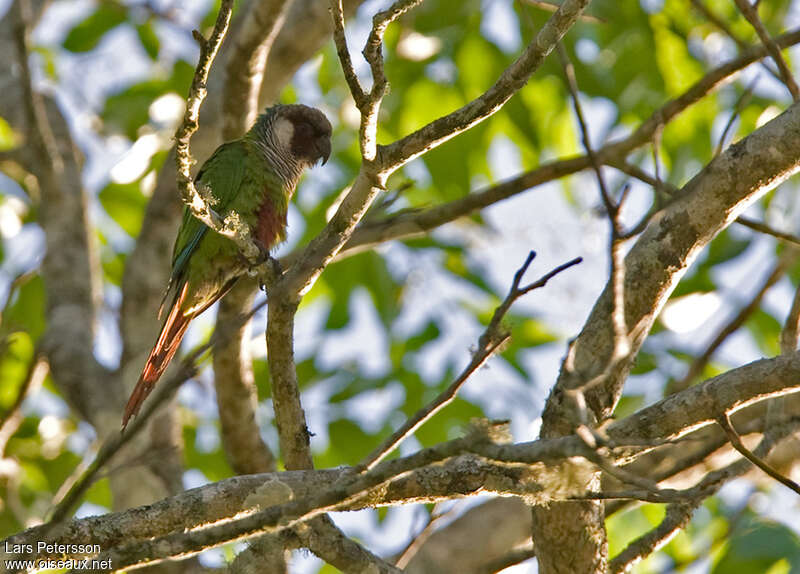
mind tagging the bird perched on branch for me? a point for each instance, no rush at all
(254, 177)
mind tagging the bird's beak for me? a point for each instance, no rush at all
(324, 150)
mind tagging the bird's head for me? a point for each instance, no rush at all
(300, 135)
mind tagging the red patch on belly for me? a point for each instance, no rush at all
(270, 224)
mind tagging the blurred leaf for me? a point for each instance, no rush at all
(645, 363)
(26, 311)
(449, 423)
(624, 527)
(766, 331)
(87, 34)
(725, 247)
(348, 443)
(125, 204)
(367, 270)
(698, 282)
(149, 39)
(129, 109)
(758, 547)
(627, 405)
(15, 361)
(429, 333)
(100, 494)
(8, 138)
(48, 56)
(212, 464)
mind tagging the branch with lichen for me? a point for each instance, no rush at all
(294, 496)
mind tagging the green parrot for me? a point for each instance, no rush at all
(255, 177)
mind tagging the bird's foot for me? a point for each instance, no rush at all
(254, 263)
(276, 270)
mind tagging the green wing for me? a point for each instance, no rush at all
(223, 173)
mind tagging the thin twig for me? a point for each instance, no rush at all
(677, 516)
(11, 419)
(762, 227)
(613, 211)
(671, 191)
(572, 85)
(40, 130)
(358, 93)
(751, 13)
(725, 422)
(789, 334)
(723, 26)
(735, 322)
(492, 338)
(513, 78)
(552, 7)
(420, 539)
(741, 102)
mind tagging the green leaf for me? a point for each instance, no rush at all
(627, 405)
(348, 443)
(149, 39)
(766, 331)
(450, 422)
(124, 203)
(15, 362)
(725, 247)
(645, 363)
(100, 493)
(8, 138)
(129, 109)
(367, 270)
(212, 464)
(48, 56)
(87, 34)
(26, 311)
(428, 334)
(699, 282)
(758, 547)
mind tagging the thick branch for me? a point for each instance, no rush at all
(673, 417)
(236, 391)
(69, 268)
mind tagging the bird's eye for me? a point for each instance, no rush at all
(305, 129)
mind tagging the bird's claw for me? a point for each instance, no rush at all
(265, 258)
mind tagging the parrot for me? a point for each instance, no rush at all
(255, 177)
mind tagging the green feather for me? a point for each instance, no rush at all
(239, 179)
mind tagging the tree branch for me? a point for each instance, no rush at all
(412, 479)
(414, 223)
(490, 341)
(725, 422)
(246, 452)
(246, 62)
(751, 14)
(736, 321)
(69, 268)
(511, 81)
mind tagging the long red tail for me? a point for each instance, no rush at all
(166, 345)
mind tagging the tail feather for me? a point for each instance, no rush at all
(164, 349)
